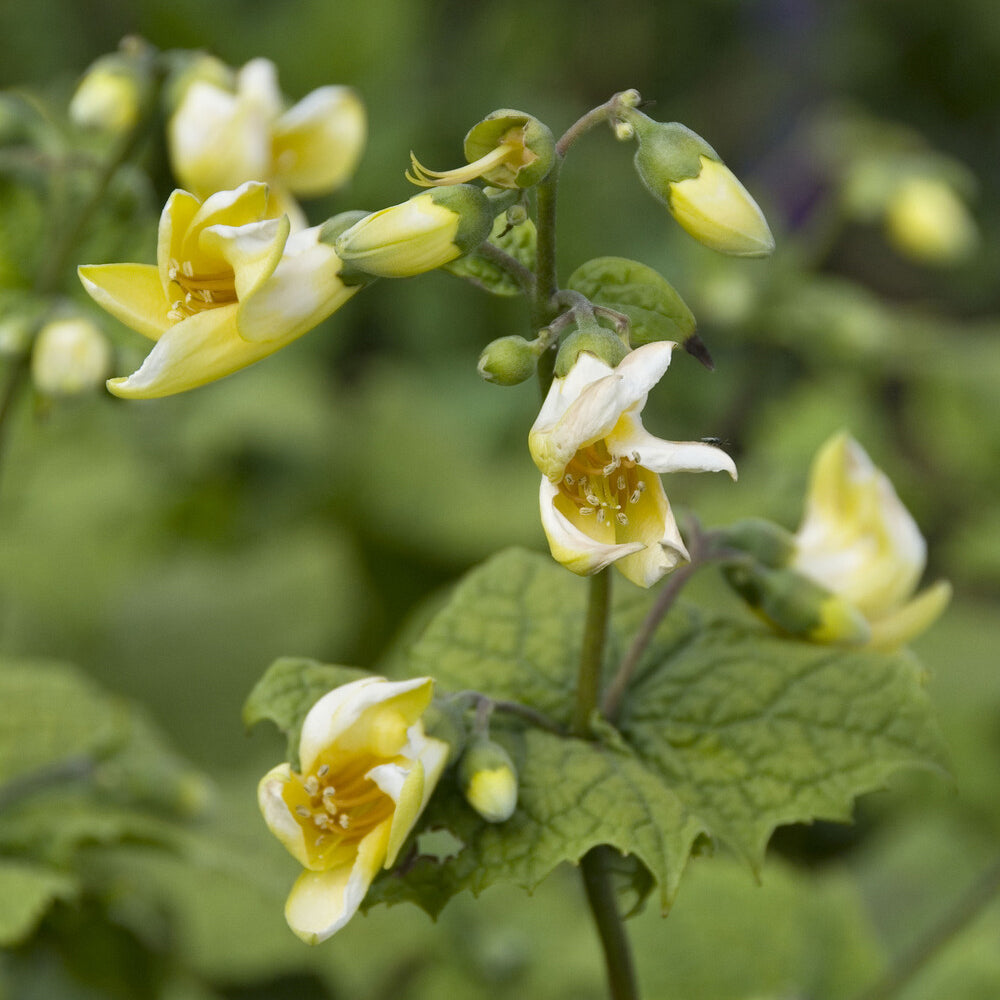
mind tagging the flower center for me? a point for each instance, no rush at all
(334, 805)
(198, 290)
(597, 483)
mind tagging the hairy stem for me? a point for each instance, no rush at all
(588, 682)
(521, 274)
(597, 883)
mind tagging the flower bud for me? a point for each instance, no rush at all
(794, 604)
(594, 339)
(926, 220)
(769, 543)
(431, 229)
(70, 356)
(488, 780)
(509, 360)
(110, 96)
(682, 171)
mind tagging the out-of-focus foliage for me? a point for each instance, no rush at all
(173, 549)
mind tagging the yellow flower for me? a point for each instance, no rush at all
(927, 220)
(859, 542)
(601, 498)
(367, 771)
(230, 287)
(420, 234)
(219, 139)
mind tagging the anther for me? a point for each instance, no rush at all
(188, 268)
(172, 272)
(322, 771)
(621, 483)
(303, 812)
(344, 821)
(586, 510)
(634, 498)
(610, 467)
(205, 295)
(594, 501)
(175, 315)
(568, 479)
(641, 486)
(601, 514)
(312, 785)
(621, 518)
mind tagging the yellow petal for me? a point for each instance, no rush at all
(277, 816)
(912, 618)
(408, 807)
(132, 293)
(651, 522)
(252, 250)
(175, 220)
(320, 903)
(197, 350)
(317, 143)
(245, 204)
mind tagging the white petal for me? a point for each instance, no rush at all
(570, 546)
(662, 456)
(343, 707)
(257, 82)
(277, 815)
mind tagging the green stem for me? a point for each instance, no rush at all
(588, 683)
(602, 113)
(521, 274)
(979, 896)
(597, 882)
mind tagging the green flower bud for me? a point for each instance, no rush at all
(794, 604)
(767, 542)
(683, 172)
(488, 780)
(509, 360)
(70, 356)
(431, 229)
(594, 339)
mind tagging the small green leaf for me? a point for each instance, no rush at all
(519, 241)
(573, 795)
(288, 689)
(26, 892)
(652, 304)
(754, 731)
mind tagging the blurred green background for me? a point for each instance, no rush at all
(173, 548)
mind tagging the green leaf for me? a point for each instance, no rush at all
(573, 795)
(727, 729)
(288, 689)
(651, 303)
(518, 241)
(26, 892)
(754, 731)
(53, 716)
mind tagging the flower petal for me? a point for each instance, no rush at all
(175, 220)
(132, 293)
(320, 903)
(911, 619)
(572, 547)
(631, 439)
(651, 522)
(349, 707)
(597, 406)
(252, 250)
(317, 143)
(304, 289)
(417, 788)
(277, 815)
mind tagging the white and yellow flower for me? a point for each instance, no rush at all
(220, 138)
(859, 542)
(230, 287)
(601, 498)
(367, 771)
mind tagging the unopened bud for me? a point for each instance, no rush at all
(431, 229)
(70, 356)
(682, 171)
(796, 605)
(769, 543)
(594, 339)
(926, 220)
(509, 360)
(110, 96)
(488, 780)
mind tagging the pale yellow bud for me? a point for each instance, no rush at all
(70, 356)
(926, 220)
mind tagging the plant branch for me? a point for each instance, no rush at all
(598, 885)
(521, 274)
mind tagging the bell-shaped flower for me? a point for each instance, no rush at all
(858, 541)
(367, 769)
(230, 287)
(220, 138)
(601, 498)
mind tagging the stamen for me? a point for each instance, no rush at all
(176, 315)
(586, 510)
(568, 479)
(205, 295)
(188, 268)
(323, 771)
(303, 812)
(593, 500)
(636, 493)
(601, 515)
(621, 483)
(344, 821)
(312, 785)
(642, 486)
(609, 468)
(621, 518)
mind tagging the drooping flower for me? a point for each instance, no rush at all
(601, 498)
(230, 287)
(859, 541)
(220, 138)
(367, 770)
